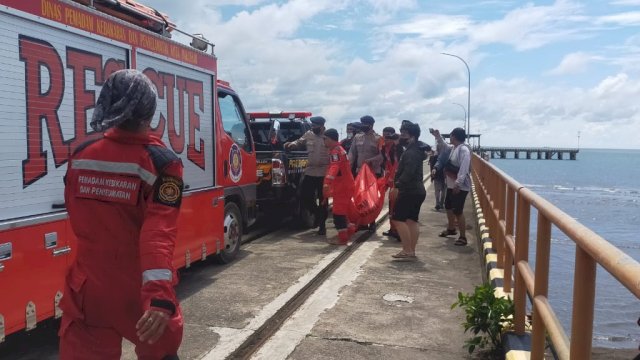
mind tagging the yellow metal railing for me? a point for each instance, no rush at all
(506, 205)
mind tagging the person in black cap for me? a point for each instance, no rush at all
(390, 156)
(311, 186)
(411, 191)
(338, 184)
(366, 147)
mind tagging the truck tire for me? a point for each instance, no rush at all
(232, 233)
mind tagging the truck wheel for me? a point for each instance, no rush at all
(232, 233)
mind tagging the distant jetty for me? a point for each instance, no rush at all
(546, 153)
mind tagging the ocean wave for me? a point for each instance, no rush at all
(628, 246)
(566, 241)
(632, 193)
(615, 338)
(563, 241)
(560, 187)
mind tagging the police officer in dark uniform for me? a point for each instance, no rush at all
(311, 187)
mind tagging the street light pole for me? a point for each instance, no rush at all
(463, 109)
(468, 94)
(578, 139)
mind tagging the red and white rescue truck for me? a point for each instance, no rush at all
(55, 55)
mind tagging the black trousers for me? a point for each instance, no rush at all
(312, 199)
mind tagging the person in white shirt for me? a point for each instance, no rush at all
(458, 181)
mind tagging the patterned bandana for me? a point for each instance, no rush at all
(127, 94)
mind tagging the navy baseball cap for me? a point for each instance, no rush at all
(331, 134)
(367, 119)
(317, 120)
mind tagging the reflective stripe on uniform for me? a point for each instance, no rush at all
(114, 167)
(156, 274)
(331, 177)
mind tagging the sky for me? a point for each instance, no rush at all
(543, 73)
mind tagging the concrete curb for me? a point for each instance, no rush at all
(516, 347)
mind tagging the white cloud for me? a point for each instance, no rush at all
(433, 26)
(526, 27)
(552, 115)
(611, 85)
(631, 18)
(530, 26)
(574, 63)
(384, 10)
(245, 3)
(626, 2)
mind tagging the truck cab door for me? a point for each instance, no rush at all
(237, 169)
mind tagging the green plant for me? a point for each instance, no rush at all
(486, 314)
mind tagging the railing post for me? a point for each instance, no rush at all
(584, 291)
(488, 214)
(493, 229)
(541, 286)
(508, 259)
(501, 248)
(480, 189)
(522, 254)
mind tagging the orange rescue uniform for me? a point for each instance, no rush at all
(339, 184)
(123, 194)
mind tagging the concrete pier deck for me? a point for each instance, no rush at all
(388, 309)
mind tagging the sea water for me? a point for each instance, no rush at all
(601, 190)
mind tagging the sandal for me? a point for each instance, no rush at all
(462, 241)
(448, 232)
(402, 255)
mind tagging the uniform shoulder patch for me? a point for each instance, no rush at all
(335, 157)
(168, 190)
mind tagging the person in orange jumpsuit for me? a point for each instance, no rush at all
(339, 184)
(123, 192)
(391, 155)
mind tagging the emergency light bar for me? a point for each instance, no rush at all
(291, 115)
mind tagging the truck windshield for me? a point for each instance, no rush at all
(269, 135)
(290, 131)
(261, 132)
